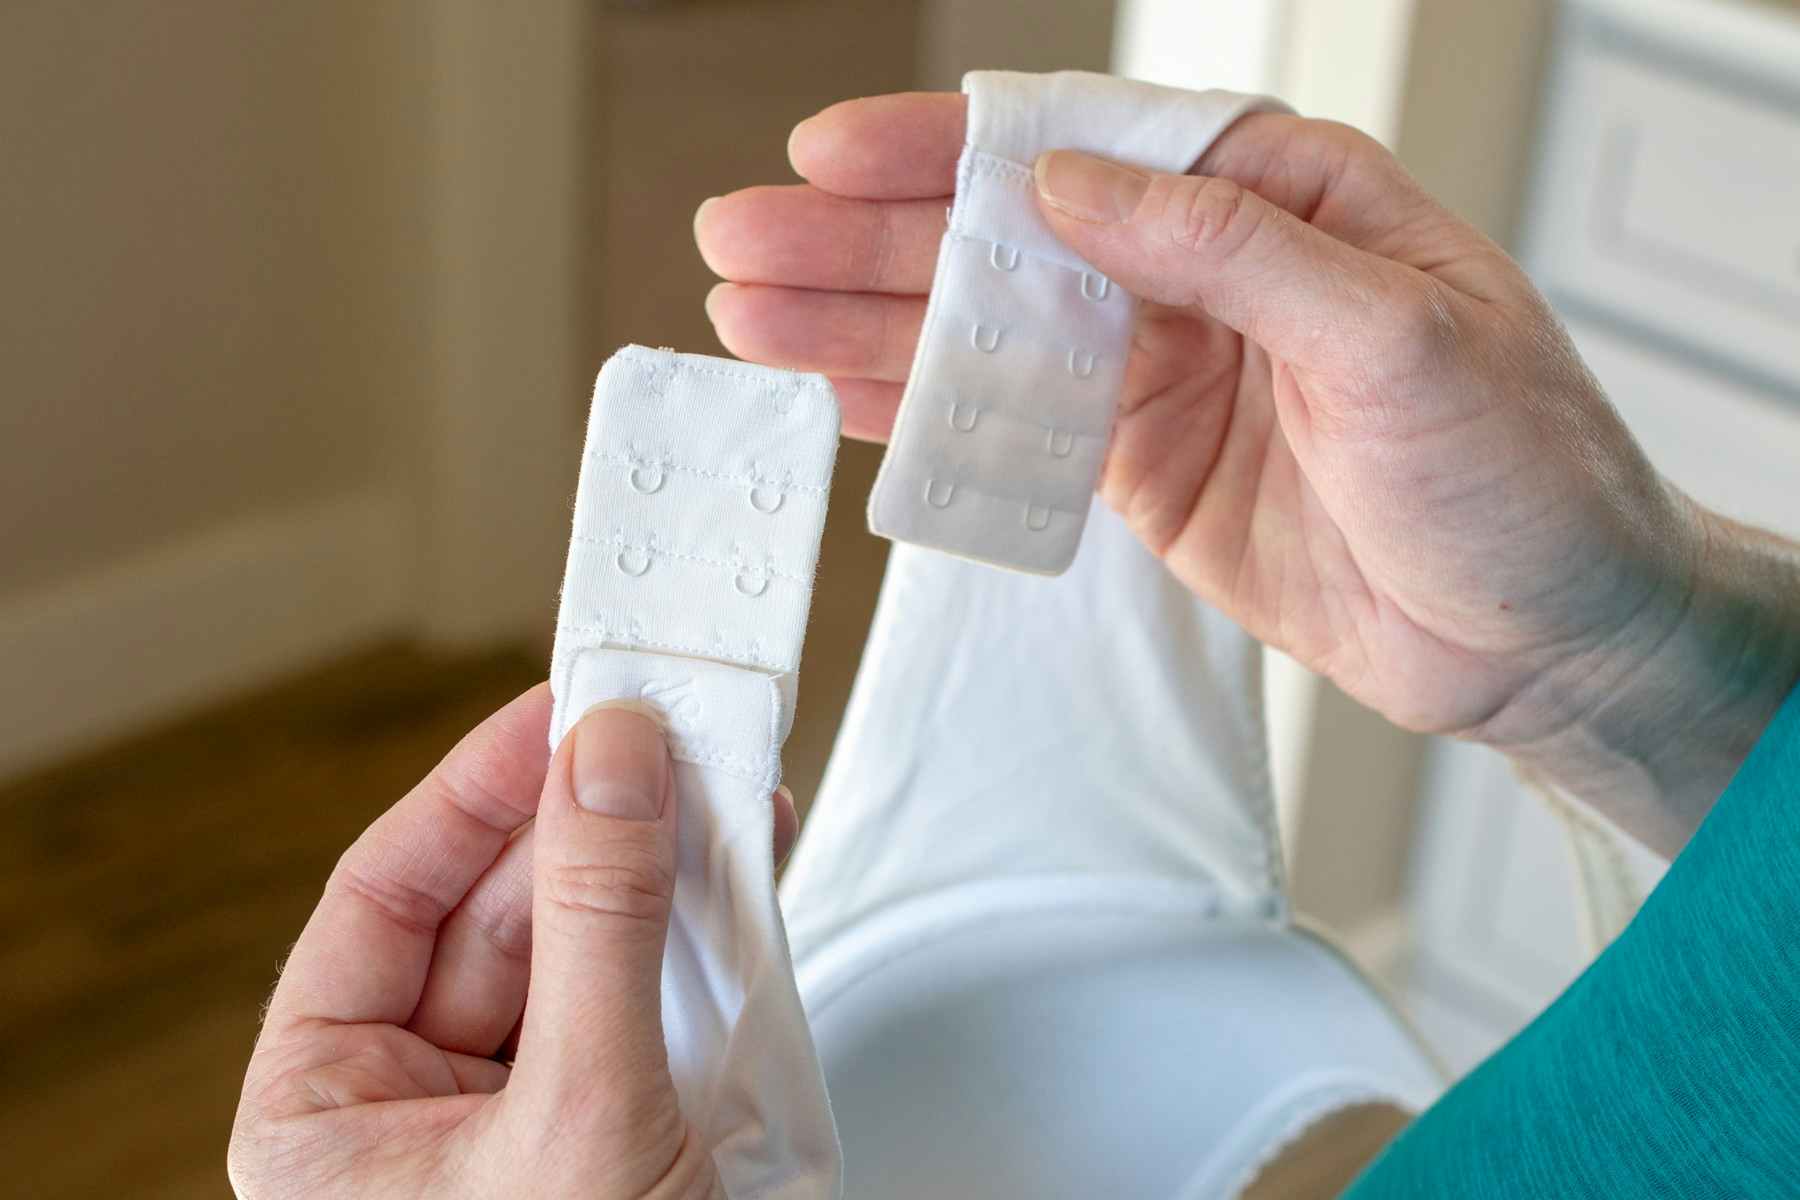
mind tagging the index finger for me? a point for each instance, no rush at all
(365, 953)
(900, 147)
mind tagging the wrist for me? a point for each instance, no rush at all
(1657, 721)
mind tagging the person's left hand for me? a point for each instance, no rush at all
(383, 1066)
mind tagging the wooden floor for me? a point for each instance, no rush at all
(147, 894)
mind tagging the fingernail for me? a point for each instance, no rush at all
(712, 300)
(793, 137)
(619, 762)
(782, 789)
(701, 211)
(1089, 189)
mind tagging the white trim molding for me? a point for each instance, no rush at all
(137, 642)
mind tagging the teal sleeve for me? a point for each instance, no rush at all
(1671, 1068)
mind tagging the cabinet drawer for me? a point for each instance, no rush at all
(1668, 199)
(1728, 445)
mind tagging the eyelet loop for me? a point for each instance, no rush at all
(632, 560)
(931, 493)
(647, 486)
(963, 417)
(742, 582)
(758, 491)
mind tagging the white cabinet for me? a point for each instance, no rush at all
(1664, 224)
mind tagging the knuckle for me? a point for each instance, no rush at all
(1210, 215)
(386, 892)
(1424, 328)
(509, 933)
(1352, 142)
(632, 886)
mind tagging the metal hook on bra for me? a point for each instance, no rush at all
(931, 498)
(985, 338)
(1093, 286)
(1004, 257)
(974, 415)
(1081, 363)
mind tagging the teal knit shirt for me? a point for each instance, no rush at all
(1671, 1068)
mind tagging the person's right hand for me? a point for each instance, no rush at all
(1349, 421)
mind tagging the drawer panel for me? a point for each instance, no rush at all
(1668, 199)
(1728, 445)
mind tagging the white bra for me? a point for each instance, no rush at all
(1037, 919)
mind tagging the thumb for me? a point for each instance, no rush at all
(1208, 243)
(603, 884)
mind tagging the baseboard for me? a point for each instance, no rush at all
(108, 652)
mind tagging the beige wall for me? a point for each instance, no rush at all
(1017, 35)
(289, 325)
(1469, 103)
(199, 207)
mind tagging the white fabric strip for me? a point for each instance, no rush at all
(1004, 422)
(1038, 909)
(696, 533)
(1105, 727)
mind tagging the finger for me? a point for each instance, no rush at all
(787, 824)
(896, 147)
(364, 955)
(475, 990)
(869, 407)
(1212, 245)
(1330, 175)
(603, 885)
(837, 333)
(803, 237)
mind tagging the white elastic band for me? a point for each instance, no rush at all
(697, 523)
(1005, 419)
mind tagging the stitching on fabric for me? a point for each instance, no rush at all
(698, 753)
(632, 637)
(1274, 863)
(651, 547)
(994, 165)
(659, 360)
(669, 464)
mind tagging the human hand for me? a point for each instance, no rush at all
(382, 1069)
(1349, 421)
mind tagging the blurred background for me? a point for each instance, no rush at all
(299, 309)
